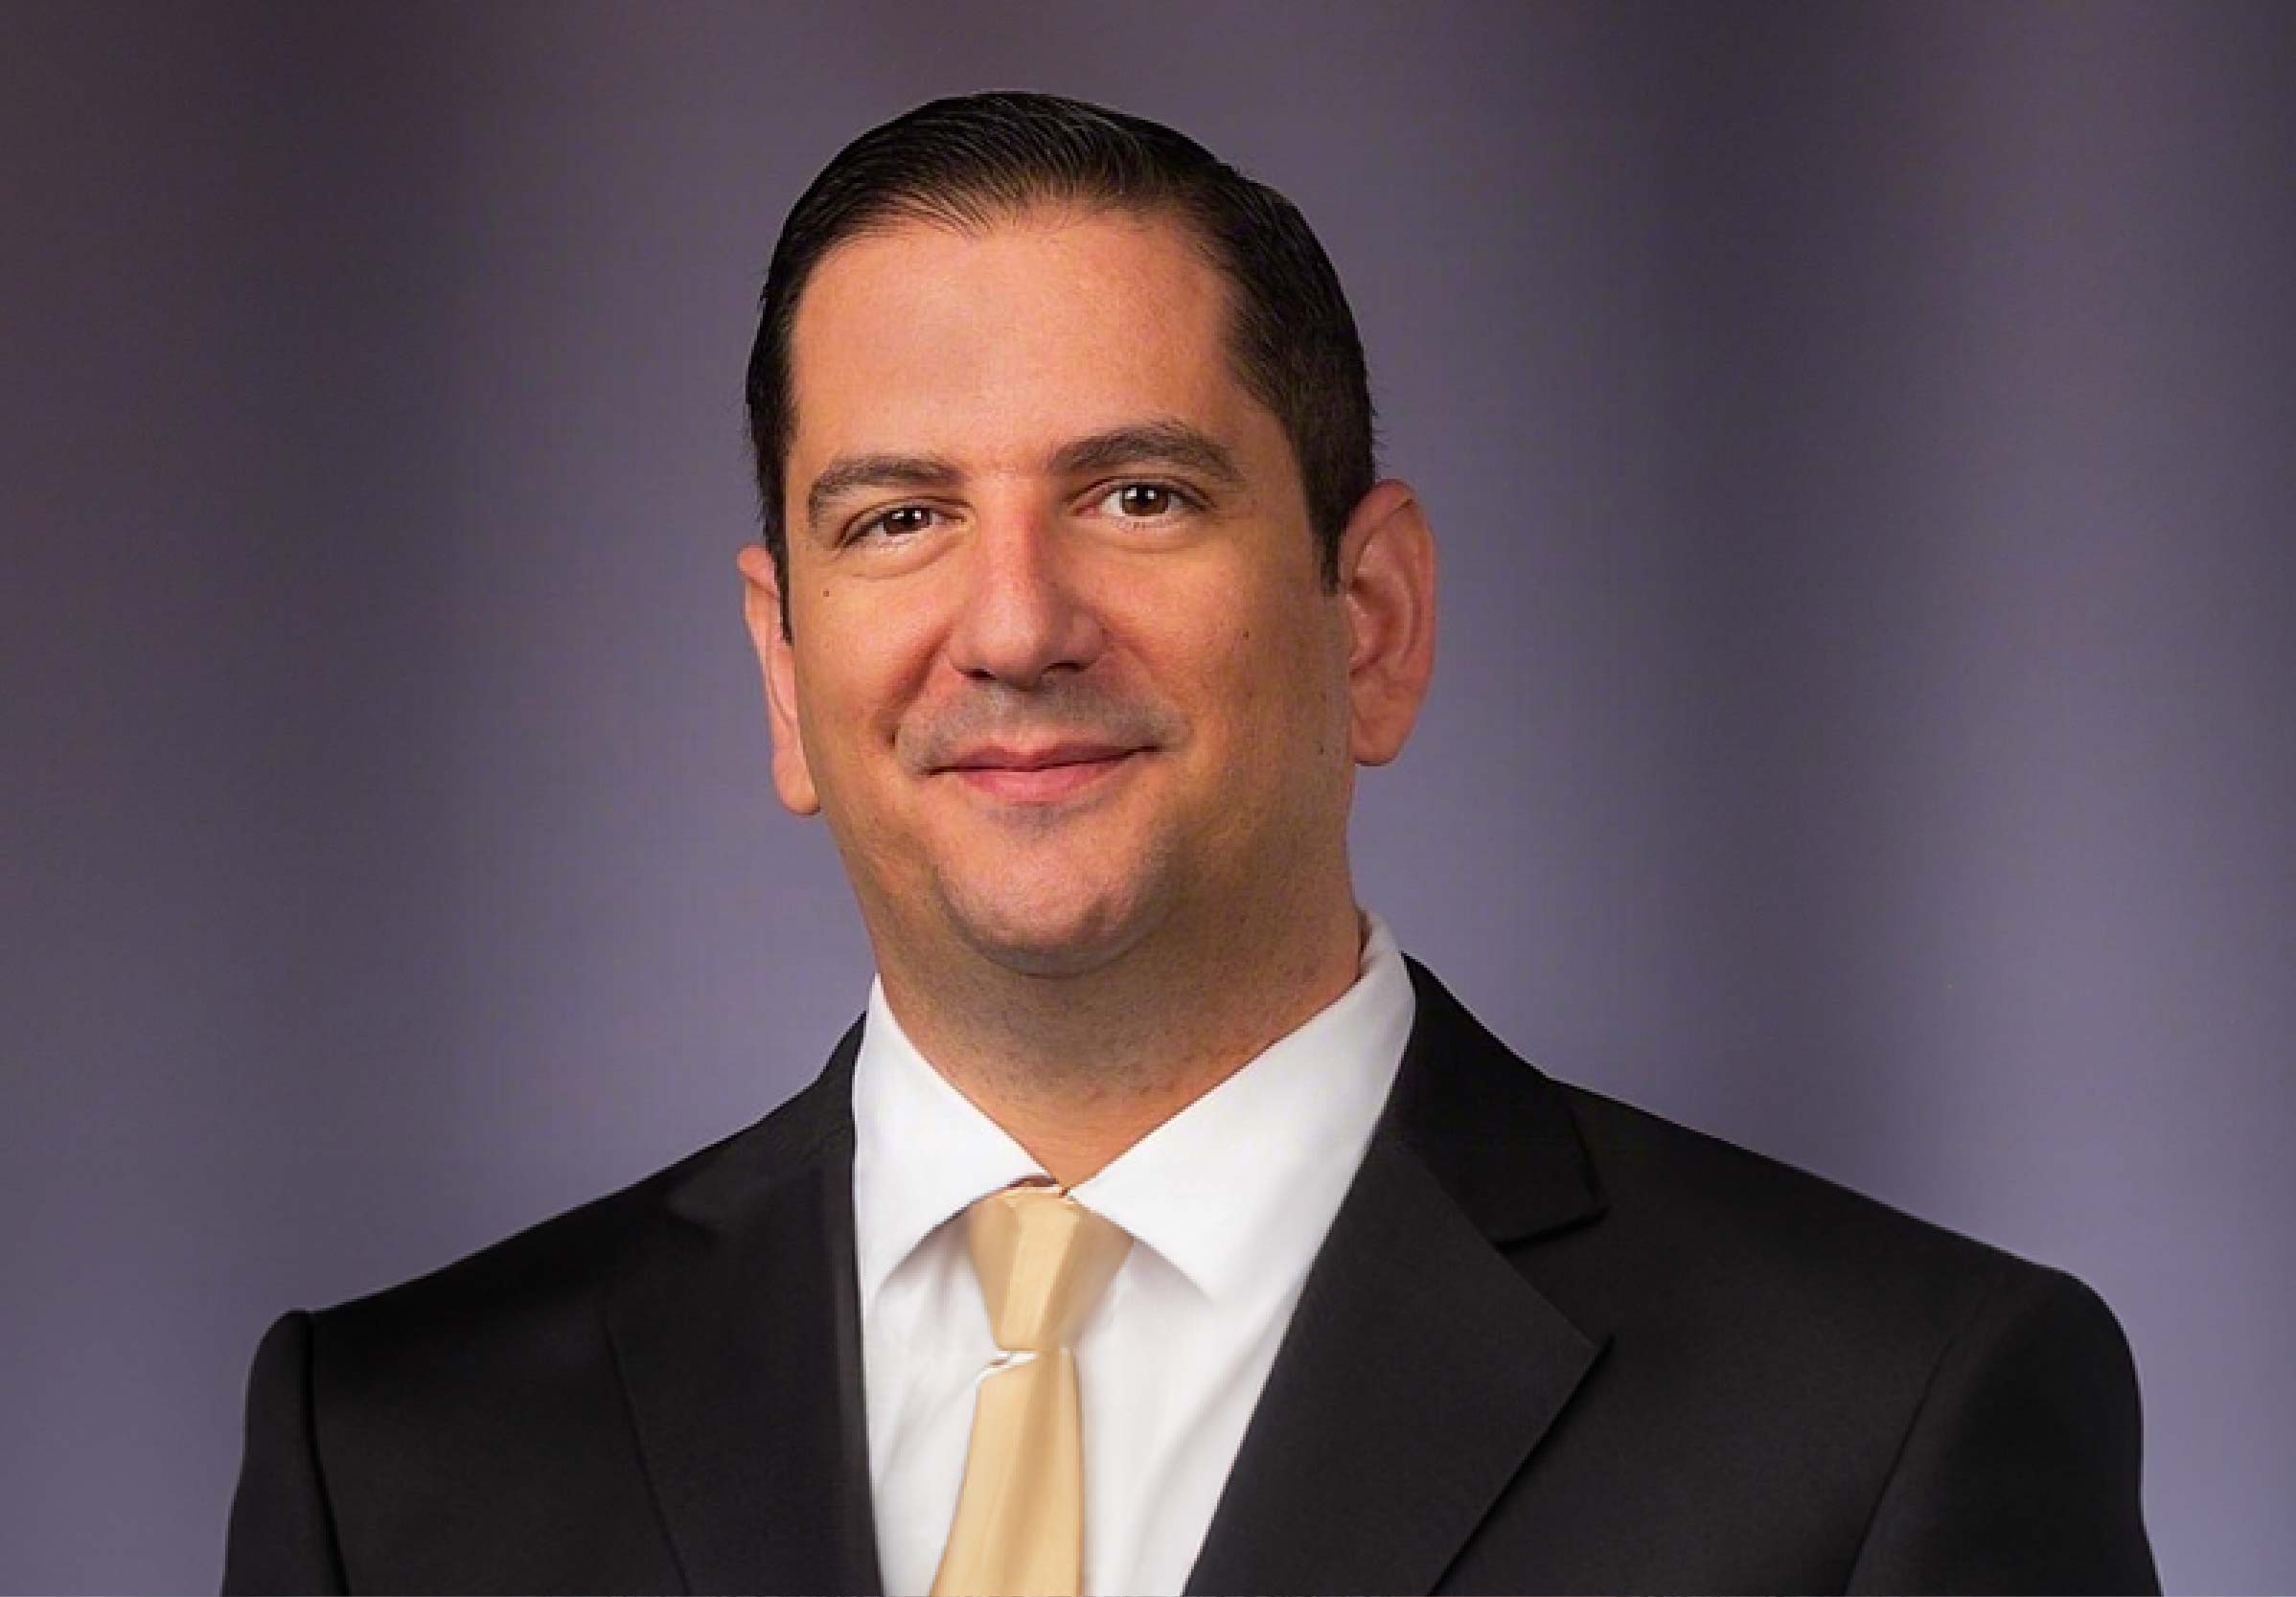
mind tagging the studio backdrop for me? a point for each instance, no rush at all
(1860, 444)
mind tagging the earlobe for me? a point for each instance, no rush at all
(777, 665)
(1387, 570)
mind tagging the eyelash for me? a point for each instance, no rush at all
(1182, 500)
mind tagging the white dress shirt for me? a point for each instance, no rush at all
(1227, 1202)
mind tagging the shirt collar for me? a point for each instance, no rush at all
(1250, 1174)
(920, 1150)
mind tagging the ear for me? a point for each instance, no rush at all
(1388, 579)
(761, 608)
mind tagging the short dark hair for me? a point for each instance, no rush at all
(975, 160)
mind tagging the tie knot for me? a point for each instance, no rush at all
(1044, 1260)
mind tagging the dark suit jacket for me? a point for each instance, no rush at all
(1550, 1343)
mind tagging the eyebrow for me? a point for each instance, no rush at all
(1159, 443)
(853, 473)
(1150, 443)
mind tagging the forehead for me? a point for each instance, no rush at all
(986, 344)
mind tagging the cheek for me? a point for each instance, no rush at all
(1270, 679)
(863, 653)
(844, 697)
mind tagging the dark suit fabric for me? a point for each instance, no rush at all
(1550, 1343)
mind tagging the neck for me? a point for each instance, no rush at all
(1077, 1068)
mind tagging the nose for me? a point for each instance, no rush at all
(1022, 616)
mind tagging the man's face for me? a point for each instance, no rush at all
(1062, 673)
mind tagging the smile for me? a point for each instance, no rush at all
(1045, 777)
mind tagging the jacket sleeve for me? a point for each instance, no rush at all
(282, 1536)
(2020, 1471)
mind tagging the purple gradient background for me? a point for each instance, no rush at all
(1861, 442)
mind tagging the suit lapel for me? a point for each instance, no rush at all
(735, 1320)
(1421, 1368)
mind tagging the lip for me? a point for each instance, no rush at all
(1039, 776)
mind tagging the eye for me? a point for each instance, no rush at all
(899, 521)
(1144, 501)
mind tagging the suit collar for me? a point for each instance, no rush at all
(743, 1372)
(1420, 1370)
(1422, 1367)
(1493, 1132)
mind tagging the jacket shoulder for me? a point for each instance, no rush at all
(1940, 1413)
(1743, 1267)
(1641, 1221)
(1667, 1182)
(541, 1270)
(554, 1275)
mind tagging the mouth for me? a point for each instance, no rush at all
(1039, 776)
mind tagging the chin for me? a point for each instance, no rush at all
(1063, 933)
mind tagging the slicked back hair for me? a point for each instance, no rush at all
(971, 162)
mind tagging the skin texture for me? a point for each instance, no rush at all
(1082, 720)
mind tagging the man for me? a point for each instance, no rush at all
(1160, 1226)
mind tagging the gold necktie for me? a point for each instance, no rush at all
(1044, 1260)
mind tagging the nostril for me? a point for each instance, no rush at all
(1021, 623)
